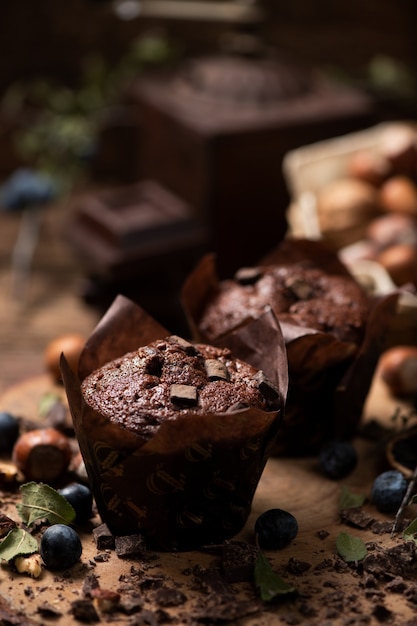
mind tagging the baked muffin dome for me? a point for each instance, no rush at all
(171, 377)
(298, 294)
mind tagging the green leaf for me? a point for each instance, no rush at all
(18, 542)
(46, 402)
(410, 531)
(413, 499)
(350, 500)
(351, 549)
(40, 501)
(270, 585)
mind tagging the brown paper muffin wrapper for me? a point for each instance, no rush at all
(193, 482)
(328, 379)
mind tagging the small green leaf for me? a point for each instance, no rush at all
(47, 401)
(351, 549)
(269, 584)
(410, 532)
(350, 500)
(18, 542)
(40, 501)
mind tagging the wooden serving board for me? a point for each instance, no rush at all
(328, 590)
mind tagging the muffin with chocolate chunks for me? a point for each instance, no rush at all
(175, 435)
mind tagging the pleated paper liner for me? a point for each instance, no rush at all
(329, 379)
(193, 482)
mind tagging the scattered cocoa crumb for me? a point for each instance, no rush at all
(130, 546)
(356, 516)
(90, 583)
(84, 611)
(167, 596)
(48, 611)
(381, 613)
(296, 567)
(103, 537)
(238, 560)
(322, 534)
(131, 603)
(102, 557)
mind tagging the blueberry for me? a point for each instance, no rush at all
(81, 498)
(275, 529)
(388, 491)
(26, 187)
(60, 547)
(338, 459)
(9, 431)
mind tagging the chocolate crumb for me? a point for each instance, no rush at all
(185, 345)
(130, 546)
(296, 567)
(356, 516)
(381, 613)
(322, 534)
(48, 611)
(6, 525)
(238, 561)
(90, 583)
(84, 611)
(397, 585)
(102, 557)
(131, 603)
(103, 538)
(167, 596)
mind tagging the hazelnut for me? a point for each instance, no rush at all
(42, 455)
(392, 228)
(345, 206)
(368, 166)
(71, 346)
(399, 195)
(398, 369)
(400, 261)
(398, 145)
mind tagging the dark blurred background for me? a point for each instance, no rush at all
(76, 102)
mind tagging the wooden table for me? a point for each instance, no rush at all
(329, 591)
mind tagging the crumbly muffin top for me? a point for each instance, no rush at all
(172, 377)
(297, 294)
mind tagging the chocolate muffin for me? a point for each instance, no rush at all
(170, 378)
(175, 435)
(300, 295)
(333, 332)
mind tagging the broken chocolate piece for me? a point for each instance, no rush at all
(188, 347)
(167, 596)
(6, 525)
(105, 600)
(300, 288)
(103, 538)
(248, 275)
(89, 585)
(265, 386)
(84, 611)
(238, 561)
(130, 545)
(184, 395)
(216, 370)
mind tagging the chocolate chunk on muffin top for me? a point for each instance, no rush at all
(171, 377)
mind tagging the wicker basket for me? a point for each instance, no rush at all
(310, 168)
